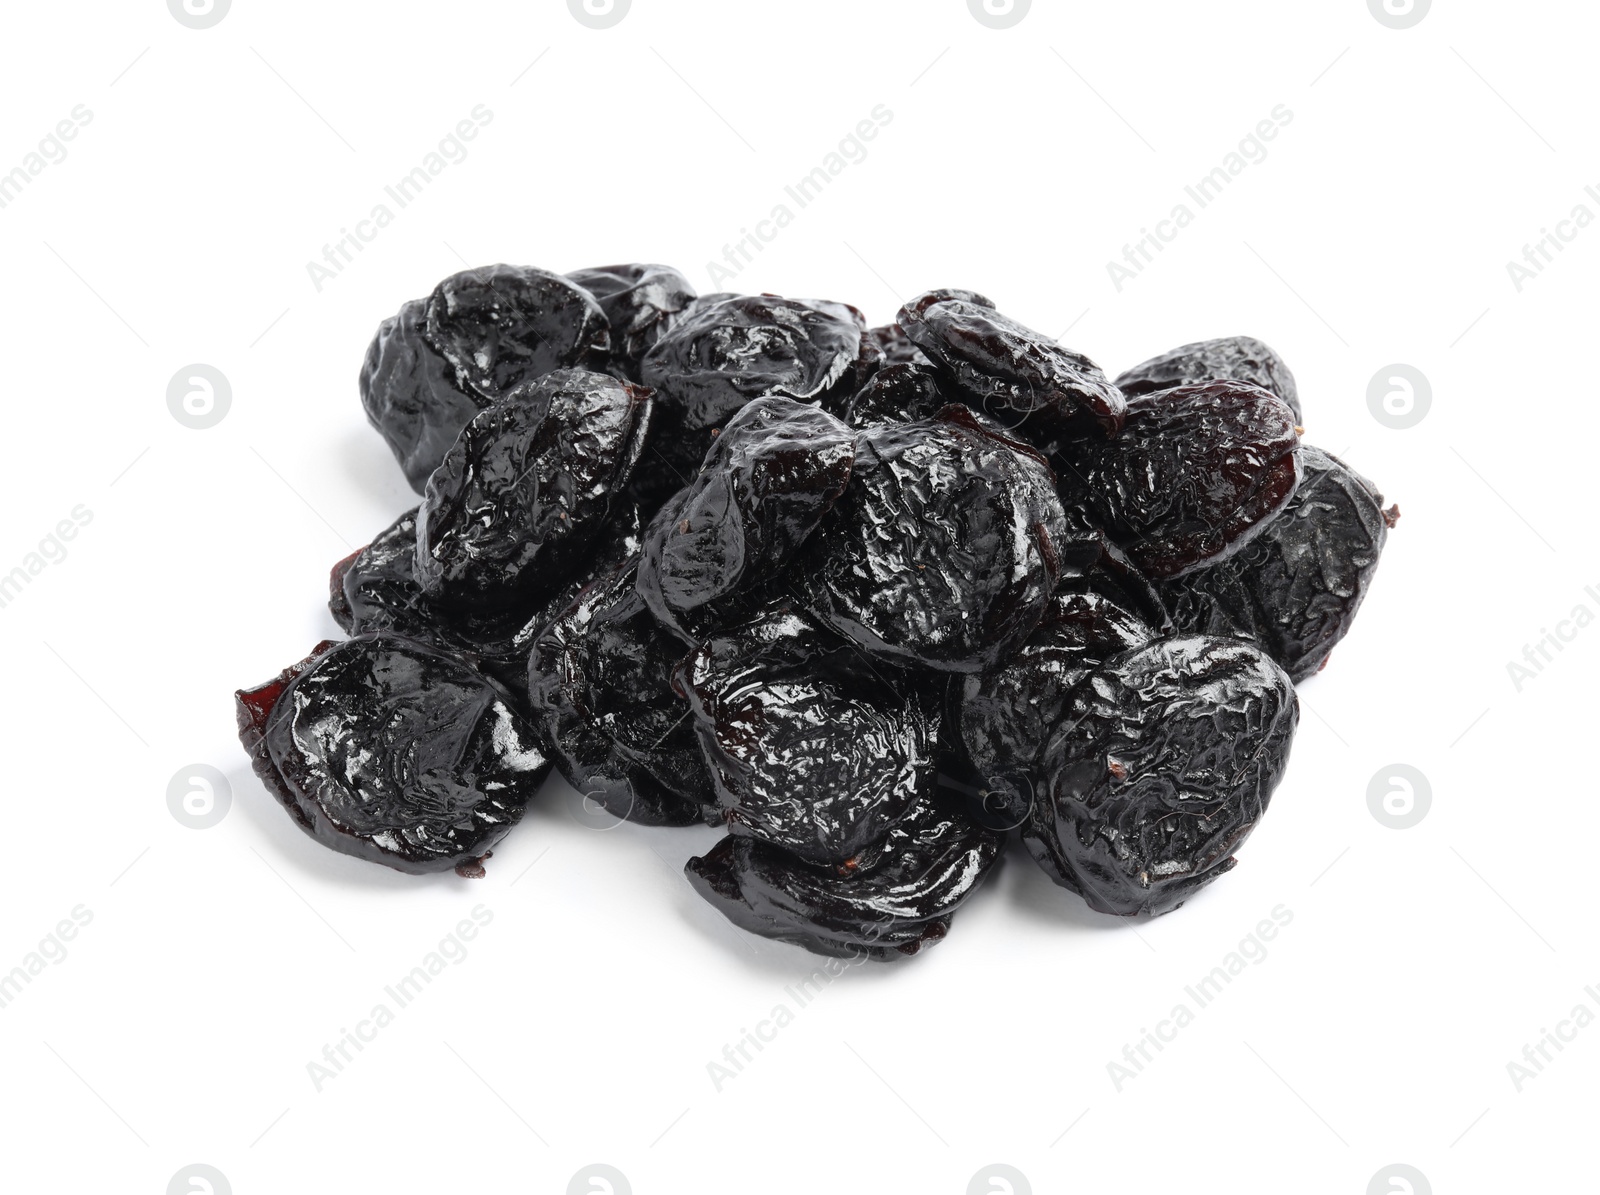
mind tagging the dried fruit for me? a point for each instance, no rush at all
(896, 394)
(1229, 359)
(641, 302)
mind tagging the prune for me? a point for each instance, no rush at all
(375, 589)
(1162, 763)
(810, 747)
(1229, 359)
(896, 394)
(1009, 371)
(527, 486)
(1296, 587)
(898, 903)
(442, 359)
(722, 355)
(895, 347)
(600, 687)
(1100, 609)
(642, 302)
(390, 751)
(772, 473)
(1196, 473)
(943, 549)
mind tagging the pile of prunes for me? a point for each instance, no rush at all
(874, 600)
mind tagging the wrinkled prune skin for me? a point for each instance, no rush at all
(896, 348)
(442, 359)
(390, 751)
(771, 475)
(1228, 359)
(375, 589)
(1194, 475)
(944, 548)
(898, 903)
(722, 355)
(600, 688)
(1162, 763)
(1296, 587)
(1100, 609)
(641, 302)
(522, 494)
(1010, 372)
(810, 747)
(896, 394)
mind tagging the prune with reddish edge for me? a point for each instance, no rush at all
(641, 302)
(600, 688)
(1196, 473)
(530, 482)
(1296, 587)
(895, 347)
(411, 394)
(896, 394)
(501, 326)
(771, 475)
(943, 550)
(898, 903)
(1009, 371)
(722, 355)
(1162, 763)
(1099, 610)
(376, 589)
(392, 752)
(810, 747)
(1228, 359)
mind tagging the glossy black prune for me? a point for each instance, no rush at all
(600, 688)
(375, 589)
(1162, 763)
(1100, 609)
(642, 303)
(771, 475)
(523, 492)
(1228, 359)
(722, 355)
(944, 548)
(1296, 587)
(1194, 475)
(811, 747)
(1009, 371)
(896, 394)
(898, 903)
(390, 751)
(481, 332)
(896, 348)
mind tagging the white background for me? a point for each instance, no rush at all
(1018, 162)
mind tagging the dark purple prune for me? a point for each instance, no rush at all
(1158, 769)
(1100, 609)
(443, 359)
(722, 355)
(896, 394)
(600, 687)
(390, 751)
(1229, 359)
(943, 549)
(642, 302)
(895, 347)
(772, 473)
(1296, 587)
(1196, 473)
(521, 495)
(897, 903)
(811, 748)
(375, 589)
(1008, 371)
